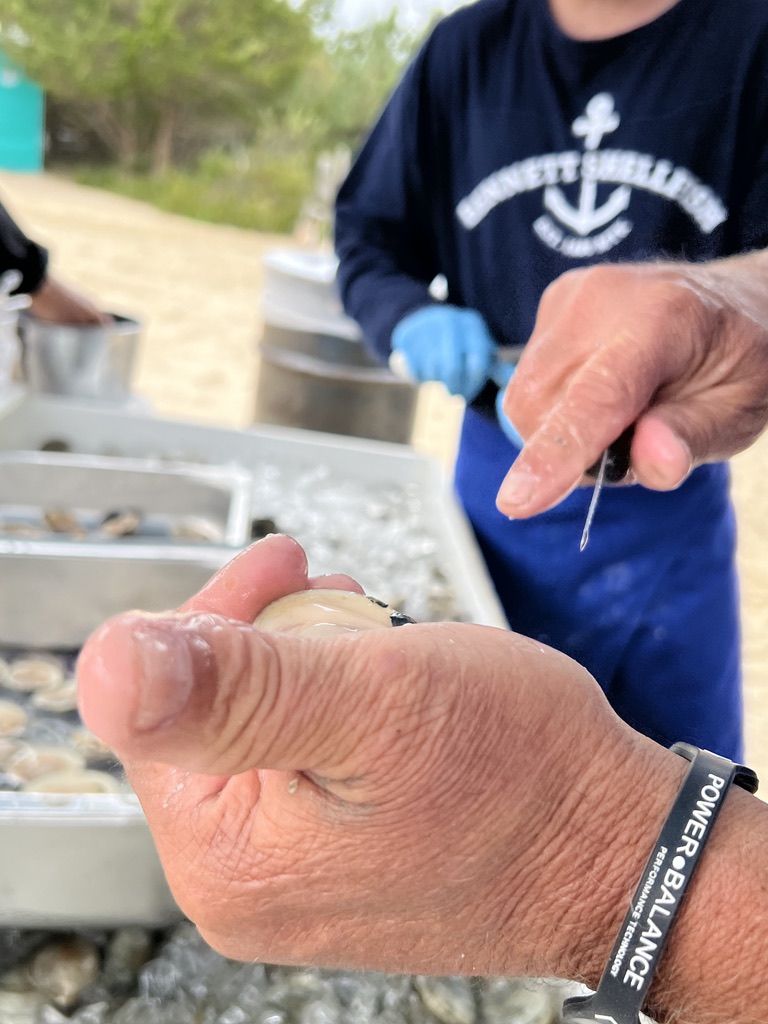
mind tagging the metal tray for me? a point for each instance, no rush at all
(56, 589)
(79, 861)
(167, 497)
(53, 594)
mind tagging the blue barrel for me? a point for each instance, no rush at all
(21, 120)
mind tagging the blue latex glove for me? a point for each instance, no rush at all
(447, 344)
(501, 375)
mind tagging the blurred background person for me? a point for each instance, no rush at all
(50, 298)
(525, 140)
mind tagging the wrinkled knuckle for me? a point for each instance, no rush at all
(599, 390)
(559, 291)
(247, 690)
(672, 298)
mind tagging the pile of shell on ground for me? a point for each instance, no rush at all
(133, 976)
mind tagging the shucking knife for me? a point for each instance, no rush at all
(612, 468)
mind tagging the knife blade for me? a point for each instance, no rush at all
(612, 467)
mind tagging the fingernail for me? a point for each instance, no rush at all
(517, 490)
(170, 656)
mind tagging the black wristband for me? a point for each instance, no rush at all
(624, 986)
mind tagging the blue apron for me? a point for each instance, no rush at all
(650, 607)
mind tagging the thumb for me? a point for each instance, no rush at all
(217, 697)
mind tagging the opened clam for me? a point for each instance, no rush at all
(121, 522)
(13, 718)
(34, 673)
(328, 612)
(59, 698)
(94, 750)
(31, 760)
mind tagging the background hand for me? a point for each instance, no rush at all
(61, 304)
(682, 350)
(446, 344)
(418, 799)
(502, 375)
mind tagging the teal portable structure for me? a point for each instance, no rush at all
(21, 120)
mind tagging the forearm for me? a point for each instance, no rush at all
(377, 287)
(743, 280)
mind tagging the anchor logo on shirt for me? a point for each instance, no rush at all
(599, 119)
(585, 230)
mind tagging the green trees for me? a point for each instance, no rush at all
(217, 108)
(143, 74)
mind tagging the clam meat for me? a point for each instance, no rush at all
(328, 612)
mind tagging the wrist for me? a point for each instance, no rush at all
(712, 968)
(632, 787)
(563, 903)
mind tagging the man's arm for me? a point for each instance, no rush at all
(431, 799)
(50, 299)
(383, 237)
(61, 304)
(17, 252)
(681, 350)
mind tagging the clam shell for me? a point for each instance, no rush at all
(74, 780)
(327, 613)
(32, 760)
(61, 520)
(121, 523)
(9, 748)
(13, 718)
(34, 673)
(195, 528)
(59, 698)
(91, 747)
(63, 969)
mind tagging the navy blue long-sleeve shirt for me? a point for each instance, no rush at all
(511, 153)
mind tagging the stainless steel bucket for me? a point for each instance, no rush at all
(314, 370)
(298, 390)
(79, 361)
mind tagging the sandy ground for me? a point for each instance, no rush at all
(197, 289)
